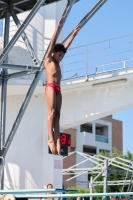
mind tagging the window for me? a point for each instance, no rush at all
(89, 177)
(101, 133)
(101, 129)
(86, 128)
(72, 149)
(110, 116)
(89, 149)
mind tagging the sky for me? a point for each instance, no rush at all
(113, 19)
(1, 27)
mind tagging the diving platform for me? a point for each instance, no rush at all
(86, 99)
(21, 6)
(101, 95)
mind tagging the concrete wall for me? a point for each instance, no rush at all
(28, 164)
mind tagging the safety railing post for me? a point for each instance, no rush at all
(124, 64)
(86, 60)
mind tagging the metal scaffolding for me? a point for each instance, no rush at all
(102, 167)
(13, 8)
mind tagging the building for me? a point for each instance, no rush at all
(92, 138)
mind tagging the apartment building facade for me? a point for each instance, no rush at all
(92, 138)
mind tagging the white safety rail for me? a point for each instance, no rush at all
(98, 57)
(94, 58)
(121, 166)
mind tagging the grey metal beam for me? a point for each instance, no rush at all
(19, 67)
(2, 163)
(4, 96)
(130, 184)
(126, 175)
(29, 94)
(3, 7)
(25, 39)
(19, 74)
(21, 29)
(3, 112)
(91, 186)
(105, 174)
(17, 3)
(4, 84)
(87, 17)
(18, 9)
(3, 2)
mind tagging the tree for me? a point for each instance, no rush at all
(114, 174)
(80, 191)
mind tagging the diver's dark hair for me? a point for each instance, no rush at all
(59, 47)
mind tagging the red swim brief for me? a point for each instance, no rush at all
(56, 87)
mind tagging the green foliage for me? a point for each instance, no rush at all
(113, 174)
(80, 191)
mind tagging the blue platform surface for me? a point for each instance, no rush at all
(74, 195)
(26, 191)
(35, 191)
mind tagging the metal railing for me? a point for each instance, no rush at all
(101, 138)
(98, 57)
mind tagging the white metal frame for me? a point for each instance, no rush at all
(98, 168)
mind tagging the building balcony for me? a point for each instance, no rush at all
(102, 138)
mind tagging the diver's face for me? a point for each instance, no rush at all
(58, 56)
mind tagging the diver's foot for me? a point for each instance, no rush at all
(52, 147)
(58, 146)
